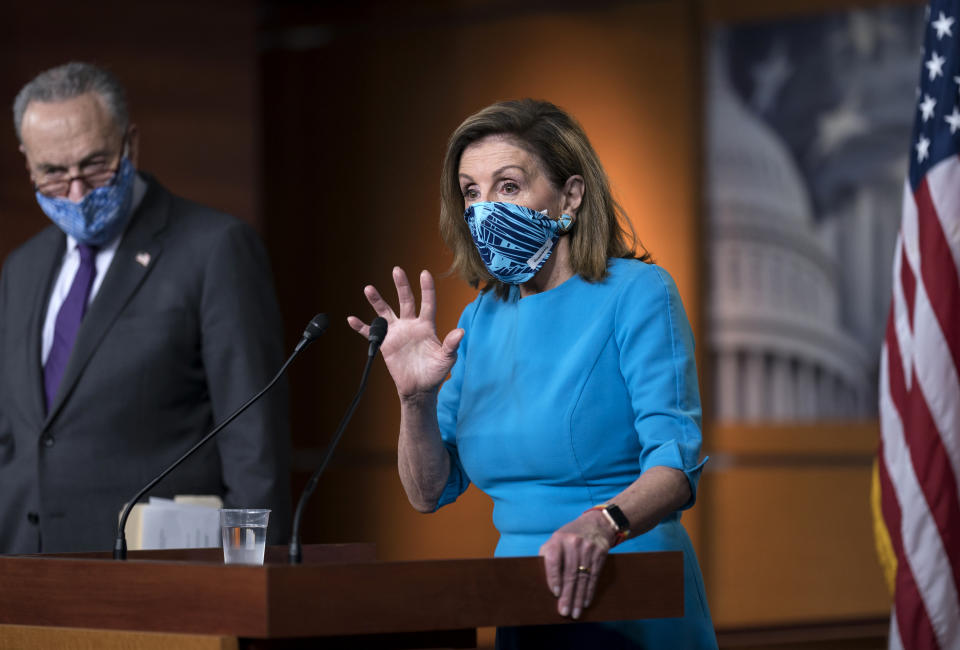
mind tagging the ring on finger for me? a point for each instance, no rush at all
(583, 570)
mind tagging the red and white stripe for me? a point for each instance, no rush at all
(920, 415)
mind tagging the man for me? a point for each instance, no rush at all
(127, 330)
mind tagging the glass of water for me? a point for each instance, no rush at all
(244, 533)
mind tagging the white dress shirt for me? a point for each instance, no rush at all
(71, 264)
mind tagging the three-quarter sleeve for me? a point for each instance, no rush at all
(658, 365)
(448, 405)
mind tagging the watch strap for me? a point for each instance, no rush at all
(617, 520)
(620, 521)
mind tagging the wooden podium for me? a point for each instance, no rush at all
(339, 597)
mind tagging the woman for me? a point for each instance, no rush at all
(572, 399)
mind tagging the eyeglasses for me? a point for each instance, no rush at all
(95, 173)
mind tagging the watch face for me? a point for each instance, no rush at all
(620, 519)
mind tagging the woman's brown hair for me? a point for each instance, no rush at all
(601, 229)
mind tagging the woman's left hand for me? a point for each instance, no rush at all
(573, 558)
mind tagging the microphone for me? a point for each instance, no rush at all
(378, 332)
(317, 326)
(314, 329)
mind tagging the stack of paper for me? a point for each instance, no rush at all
(182, 522)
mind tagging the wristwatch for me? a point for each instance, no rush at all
(617, 519)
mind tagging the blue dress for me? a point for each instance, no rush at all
(559, 401)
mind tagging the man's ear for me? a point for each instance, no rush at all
(133, 143)
(26, 161)
(572, 195)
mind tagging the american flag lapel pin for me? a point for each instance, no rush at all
(143, 259)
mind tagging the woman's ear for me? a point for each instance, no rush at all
(572, 195)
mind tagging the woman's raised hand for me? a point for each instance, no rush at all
(417, 360)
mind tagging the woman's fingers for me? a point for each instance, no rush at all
(451, 343)
(405, 297)
(594, 578)
(589, 565)
(408, 303)
(560, 563)
(573, 568)
(359, 326)
(378, 303)
(428, 297)
(571, 579)
(552, 554)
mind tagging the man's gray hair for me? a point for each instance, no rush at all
(68, 81)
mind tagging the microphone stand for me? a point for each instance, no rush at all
(314, 329)
(378, 331)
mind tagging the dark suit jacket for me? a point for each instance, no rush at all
(184, 329)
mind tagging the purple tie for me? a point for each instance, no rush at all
(68, 321)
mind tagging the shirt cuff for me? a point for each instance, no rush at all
(668, 455)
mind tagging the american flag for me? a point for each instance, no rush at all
(919, 455)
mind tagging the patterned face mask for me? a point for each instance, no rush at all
(514, 242)
(100, 215)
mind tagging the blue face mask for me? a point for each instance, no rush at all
(100, 215)
(514, 242)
